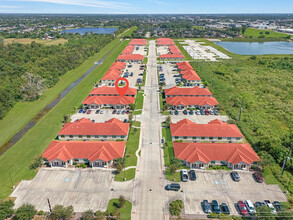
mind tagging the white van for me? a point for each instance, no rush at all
(250, 206)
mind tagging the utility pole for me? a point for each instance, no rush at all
(284, 162)
(50, 209)
(11, 180)
(240, 111)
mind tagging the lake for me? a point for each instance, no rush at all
(257, 48)
(94, 30)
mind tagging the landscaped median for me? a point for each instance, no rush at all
(39, 137)
(139, 102)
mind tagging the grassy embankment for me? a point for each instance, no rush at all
(29, 41)
(125, 212)
(128, 32)
(256, 33)
(23, 112)
(127, 174)
(17, 159)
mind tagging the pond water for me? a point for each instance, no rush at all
(257, 48)
(94, 30)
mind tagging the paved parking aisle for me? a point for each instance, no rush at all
(200, 119)
(169, 74)
(137, 73)
(84, 189)
(141, 50)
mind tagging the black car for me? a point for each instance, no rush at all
(176, 112)
(235, 176)
(259, 204)
(215, 207)
(206, 207)
(192, 175)
(125, 120)
(97, 112)
(185, 112)
(277, 205)
(202, 112)
(173, 186)
(191, 112)
(225, 209)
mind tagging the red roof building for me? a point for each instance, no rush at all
(215, 130)
(169, 56)
(111, 75)
(94, 102)
(111, 91)
(138, 42)
(190, 91)
(165, 42)
(128, 49)
(184, 66)
(201, 155)
(93, 153)
(118, 65)
(174, 49)
(85, 129)
(182, 102)
(130, 57)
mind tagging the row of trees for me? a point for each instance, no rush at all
(27, 70)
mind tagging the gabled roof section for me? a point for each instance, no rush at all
(130, 57)
(110, 100)
(138, 42)
(106, 90)
(118, 65)
(183, 100)
(189, 91)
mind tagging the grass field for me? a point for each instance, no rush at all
(132, 146)
(256, 33)
(125, 211)
(168, 150)
(17, 159)
(128, 32)
(128, 174)
(23, 112)
(139, 100)
(29, 40)
(175, 176)
(183, 51)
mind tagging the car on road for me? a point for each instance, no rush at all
(171, 112)
(216, 112)
(215, 207)
(102, 111)
(242, 208)
(250, 207)
(114, 111)
(176, 112)
(173, 187)
(197, 112)
(192, 175)
(235, 176)
(80, 111)
(97, 111)
(278, 206)
(270, 205)
(225, 209)
(259, 204)
(89, 111)
(206, 207)
(258, 177)
(184, 175)
(202, 112)
(206, 112)
(191, 112)
(185, 112)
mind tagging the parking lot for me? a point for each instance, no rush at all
(84, 189)
(142, 50)
(169, 74)
(137, 72)
(218, 185)
(107, 115)
(162, 50)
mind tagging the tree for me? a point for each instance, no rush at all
(264, 213)
(285, 215)
(168, 119)
(132, 106)
(6, 209)
(119, 167)
(62, 213)
(122, 201)
(25, 212)
(176, 162)
(87, 215)
(130, 117)
(172, 169)
(100, 215)
(32, 86)
(37, 162)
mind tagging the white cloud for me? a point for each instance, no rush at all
(87, 3)
(9, 6)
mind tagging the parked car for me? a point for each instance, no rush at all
(141, 68)
(102, 111)
(97, 112)
(162, 79)
(80, 111)
(93, 121)
(176, 112)
(192, 175)
(202, 112)
(250, 207)
(125, 75)
(125, 120)
(242, 208)
(127, 112)
(173, 186)
(235, 176)
(258, 177)
(206, 112)
(123, 112)
(129, 66)
(190, 112)
(225, 209)
(114, 111)
(185, 112)
(131, 74)
(270, 205)
(84, 111)
(141, 74)
(118, 112)
(211, 112)
(197, 112)
(215, 207)
(171, 112)
(216, 112)
(206, 207)
(184, 175)
(278, 206)
(89, 111)
(259, 204)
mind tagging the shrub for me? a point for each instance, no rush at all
(81, 165)
(62, 213)
(37, 162)
(176, 207)
(25, 212)
(6, 209)
(122, 202)
(87, 215)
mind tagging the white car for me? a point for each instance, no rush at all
(270, 205)
(250, 207)
(184, 175)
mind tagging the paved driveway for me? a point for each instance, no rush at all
(219, 185)
(84, 189)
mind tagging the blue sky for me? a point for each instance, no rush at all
(146, 6)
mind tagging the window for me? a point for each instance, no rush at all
(238, 138)
(62, 136)
(219, 138)
(122, 136)
(223, 162)
(211, 138)
(71, 136)
(105, 136)
(79, 136)
(96, 136)
(176, 137)
(213, 162)
(88, 136)
(229, 138)
(113, 136)
(202, 138)
(193, 137)
(184, 137)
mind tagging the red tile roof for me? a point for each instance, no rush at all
(183, 91)
(174, 56)
(174, 49)
(85, 126)
(118, 65)
(91, 150)
(206, 152)
(128, 49)
(112, 74)
(138, 42)
(105, 90)
(182, 100)
(184, 66)
(214, 128)
(165, 41)
(130, 57)
(110, 100)
(190, 74)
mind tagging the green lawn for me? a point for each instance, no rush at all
(170, 176)
(183, 51)
(128, 32)
(132, 146)
(125, 211)
(136, 124)
(138, 112)
(139, 100)
(270, 178)
(18, 158)
(252, 32)
(145, 60)
(168, 151)
(128, 174)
